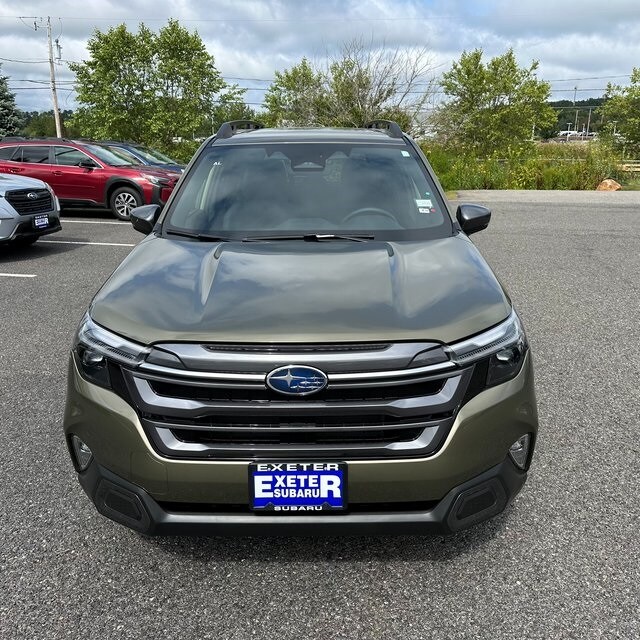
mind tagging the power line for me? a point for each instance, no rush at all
(626, 75)
(24, 61)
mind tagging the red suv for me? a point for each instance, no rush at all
(85, 173)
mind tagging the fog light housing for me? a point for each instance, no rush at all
(82, 453)
(519, 451)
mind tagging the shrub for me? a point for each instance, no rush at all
(543, 166)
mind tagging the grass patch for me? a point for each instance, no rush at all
(541, 166)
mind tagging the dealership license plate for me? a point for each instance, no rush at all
(298, 486)
(40, 222)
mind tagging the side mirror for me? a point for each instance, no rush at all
(473, 217)
(87, 163)
(144, 218)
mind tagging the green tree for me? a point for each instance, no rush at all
(42, 124)
(146, 86)
(621, 110)
(359, 84)
(297, 96)
(492, 107)
(10, 120)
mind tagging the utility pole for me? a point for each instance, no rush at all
(52, 77)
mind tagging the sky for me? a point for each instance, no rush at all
(581, 45)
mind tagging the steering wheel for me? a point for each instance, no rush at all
(373, 210)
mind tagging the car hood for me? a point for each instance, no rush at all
(295, 291)
(8, 182)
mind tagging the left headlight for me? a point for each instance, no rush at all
(156, 179)
(95, 347)
(504, 345)
(54, 197)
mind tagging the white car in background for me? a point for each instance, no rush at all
(28, 209)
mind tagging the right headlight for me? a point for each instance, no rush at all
(95, 347)
(504, 346)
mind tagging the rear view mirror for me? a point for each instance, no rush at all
(473, 217)
(144, 218)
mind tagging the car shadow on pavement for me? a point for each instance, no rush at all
(347, 548)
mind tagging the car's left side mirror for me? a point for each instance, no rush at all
(473, 217)
(144, 218)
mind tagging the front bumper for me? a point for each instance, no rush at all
(211, 496)
(468, 504)
(160, 194)
(22, 228)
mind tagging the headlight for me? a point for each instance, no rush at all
(504, 346)
(54, 197)
(155, 179)
(95, 347)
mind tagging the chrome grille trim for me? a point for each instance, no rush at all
(153, 404)
(206, 359)
(367, 376)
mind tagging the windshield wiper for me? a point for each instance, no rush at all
(311, 237)
(203, 237)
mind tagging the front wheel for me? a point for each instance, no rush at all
(122, 200)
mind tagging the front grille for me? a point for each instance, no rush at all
(381, 408)
(281, 422)
(286, 438)
(263, 394)
(25, 203)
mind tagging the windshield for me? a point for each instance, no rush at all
(305, 188)
(107, 156)
(153, 156)
(124, 154)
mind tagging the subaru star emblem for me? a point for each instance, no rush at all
(32, 195)
(296, 380)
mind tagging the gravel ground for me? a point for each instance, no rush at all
(562, 562)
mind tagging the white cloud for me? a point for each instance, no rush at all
(252, 38)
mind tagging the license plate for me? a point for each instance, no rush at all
(40, 222)
(286, 487)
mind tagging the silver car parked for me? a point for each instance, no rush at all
(28, 209)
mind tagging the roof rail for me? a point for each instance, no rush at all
(392, 128)
(229, 129)
(34, 139)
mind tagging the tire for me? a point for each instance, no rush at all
(122, 200)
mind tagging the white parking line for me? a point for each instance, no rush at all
(17, 275)
(65, 220)
(99, 244)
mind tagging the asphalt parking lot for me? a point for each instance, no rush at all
(562, 562)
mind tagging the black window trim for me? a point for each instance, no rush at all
(67, 146)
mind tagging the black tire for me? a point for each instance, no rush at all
(122, 200)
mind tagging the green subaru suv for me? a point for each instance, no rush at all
(306, 342)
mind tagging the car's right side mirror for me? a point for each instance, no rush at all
(473, 217)
(144, 218)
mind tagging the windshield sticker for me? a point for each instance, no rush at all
(406, 154)
(424, 204)
(423, 210)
